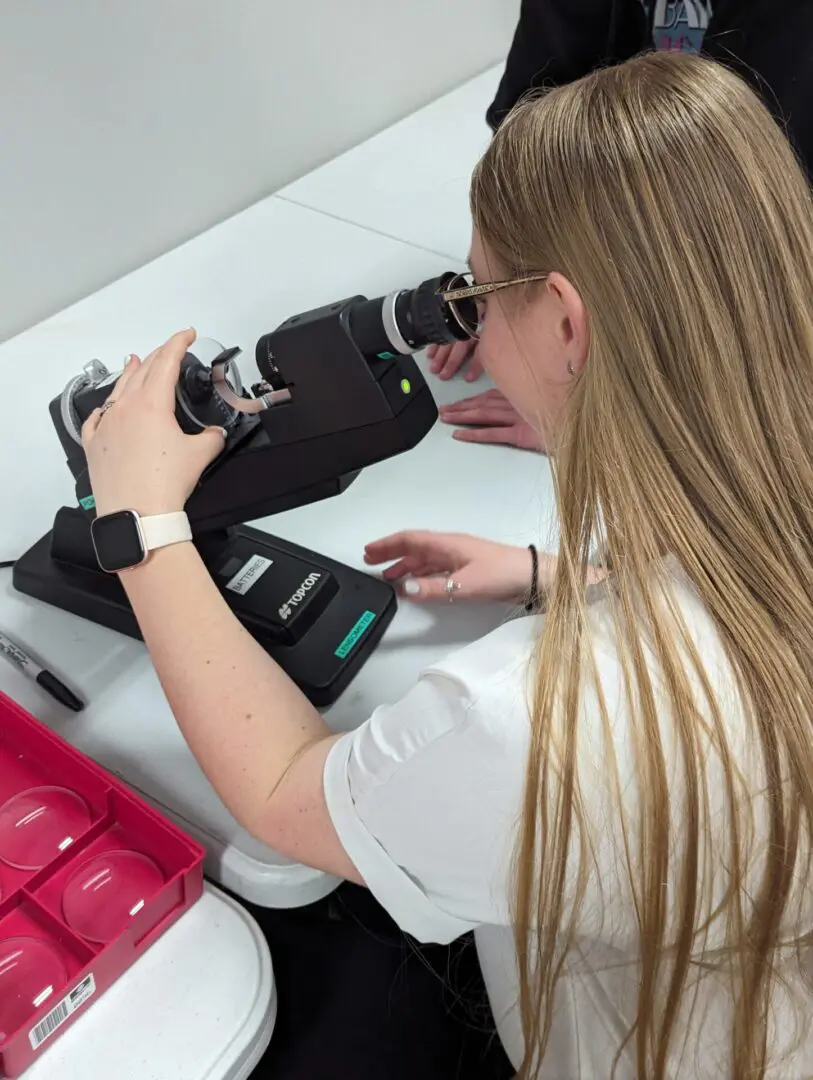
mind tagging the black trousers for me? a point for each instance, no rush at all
(358, 999)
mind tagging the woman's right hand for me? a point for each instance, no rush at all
(421, 563)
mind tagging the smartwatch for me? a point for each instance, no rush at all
(124, 539)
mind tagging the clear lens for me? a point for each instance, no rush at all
(31, 972)
(468, 313)
(39, 823)
(107, 892)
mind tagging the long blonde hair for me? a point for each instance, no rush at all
(667, 194)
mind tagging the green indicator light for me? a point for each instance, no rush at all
(406, 386)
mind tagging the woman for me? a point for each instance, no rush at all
(624, 785)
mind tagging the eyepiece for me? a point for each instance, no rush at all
(408, 320)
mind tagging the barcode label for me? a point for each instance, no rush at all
(55, 1019)
(60, 1013)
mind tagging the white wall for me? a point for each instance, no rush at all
(127, 126)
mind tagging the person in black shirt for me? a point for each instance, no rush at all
(768, 42)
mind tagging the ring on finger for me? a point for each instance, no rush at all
(452, 587)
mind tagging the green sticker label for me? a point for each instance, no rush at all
(88, 503)
(353, 637)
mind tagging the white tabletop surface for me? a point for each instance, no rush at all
(234, 283)
(200, 1004)
(411, 181)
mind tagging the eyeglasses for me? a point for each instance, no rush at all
(462, 295)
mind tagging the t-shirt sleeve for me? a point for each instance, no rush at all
(423, 797)
(427, 796)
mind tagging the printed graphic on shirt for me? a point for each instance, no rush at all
(678, 25)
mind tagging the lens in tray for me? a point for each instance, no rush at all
(31, 973)
(37, 824)
(103, 896)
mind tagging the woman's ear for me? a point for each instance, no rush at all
(572, 326)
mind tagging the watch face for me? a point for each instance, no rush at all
(118, 541)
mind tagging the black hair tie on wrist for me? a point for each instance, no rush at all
(533, 595)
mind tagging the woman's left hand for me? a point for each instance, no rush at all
(138, 456)
(423, 562)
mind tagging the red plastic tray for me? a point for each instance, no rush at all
(90, 877)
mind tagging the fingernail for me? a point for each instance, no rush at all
(127, 359)
(411, 588)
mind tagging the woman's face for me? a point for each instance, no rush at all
(533, 340)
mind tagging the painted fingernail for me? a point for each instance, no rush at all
(411, 588)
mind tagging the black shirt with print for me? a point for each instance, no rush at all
(768, 42)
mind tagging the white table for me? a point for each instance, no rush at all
(199, 1005)
(234, 283)
(411, 181)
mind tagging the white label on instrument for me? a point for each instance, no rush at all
(61, 1012)
(249, 574)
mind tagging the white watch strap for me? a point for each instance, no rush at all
(160, 530)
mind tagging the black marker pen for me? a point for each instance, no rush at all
(48, 681)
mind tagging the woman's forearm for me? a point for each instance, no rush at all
(243, 718)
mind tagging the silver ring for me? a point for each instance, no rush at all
(107, 405)
(451, 588)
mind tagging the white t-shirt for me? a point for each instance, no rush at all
(426, 797)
